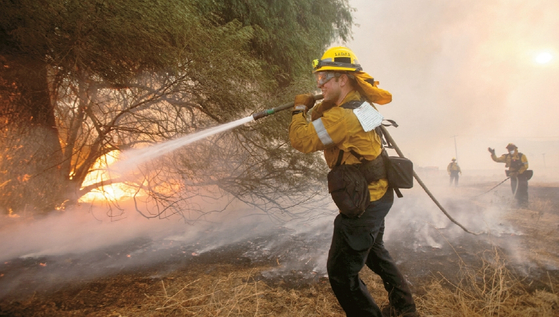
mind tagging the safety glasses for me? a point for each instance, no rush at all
(323, 77)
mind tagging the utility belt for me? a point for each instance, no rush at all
(348, 183)
(372, 170)
(397, 170)
(526, 174)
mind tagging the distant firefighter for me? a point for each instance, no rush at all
(518, 172)
(453, 170)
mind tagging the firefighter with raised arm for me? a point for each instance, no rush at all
(338, 131)
(453, 170)
(518, 172)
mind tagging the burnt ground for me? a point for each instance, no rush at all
(527, 238)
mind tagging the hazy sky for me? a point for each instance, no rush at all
(465, 71)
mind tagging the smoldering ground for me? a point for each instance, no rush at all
(83, 244)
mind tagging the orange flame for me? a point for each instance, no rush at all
(117, 191)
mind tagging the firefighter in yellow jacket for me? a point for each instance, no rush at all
(518, 172)
(336, 130)
(453, 170)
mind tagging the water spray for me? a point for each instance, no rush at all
(133, 158)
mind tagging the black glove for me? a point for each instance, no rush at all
(492, 151)
(303, 103)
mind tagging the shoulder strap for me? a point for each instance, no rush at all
(383, 140)
(340, 156)
(353, 104)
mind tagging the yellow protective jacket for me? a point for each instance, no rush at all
(338, 129)
(508, 159)
(453, 166)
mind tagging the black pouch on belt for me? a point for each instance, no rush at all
(349, 188)
(372, 170)
(399, 172)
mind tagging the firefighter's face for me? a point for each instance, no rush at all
(329, 83)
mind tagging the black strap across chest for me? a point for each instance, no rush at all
(352, 104)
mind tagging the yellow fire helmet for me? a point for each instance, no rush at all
(337, 58)
(510, 146)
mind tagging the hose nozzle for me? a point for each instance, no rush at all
(263, 114)
(268, 112)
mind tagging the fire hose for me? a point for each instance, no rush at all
(391, 141)
(288, 105)
(397, 149)
(506, 179)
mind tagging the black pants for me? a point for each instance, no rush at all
(358, 242)
(519, 186)
(454, 177)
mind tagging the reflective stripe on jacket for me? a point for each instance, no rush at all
(338, 129)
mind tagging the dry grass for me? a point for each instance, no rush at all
(232, 290)
(225, 290)
(491, 290)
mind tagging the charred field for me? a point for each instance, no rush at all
(509, 267)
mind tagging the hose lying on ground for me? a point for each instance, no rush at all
(391, 141)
